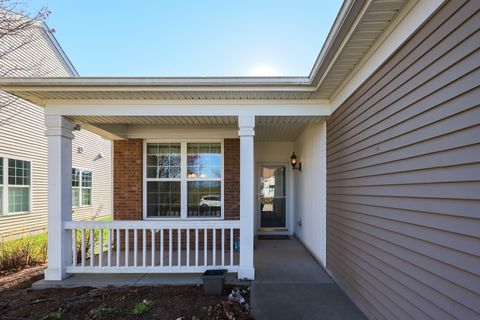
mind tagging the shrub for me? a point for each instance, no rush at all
(102, 312)
(142, 307)
(23, 252)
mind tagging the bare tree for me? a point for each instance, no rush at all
(19, 33)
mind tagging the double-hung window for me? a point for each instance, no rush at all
(184, 180)
(81, 187)
(15, 185)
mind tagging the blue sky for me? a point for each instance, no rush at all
(191, 38)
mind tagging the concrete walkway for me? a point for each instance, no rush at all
(290, 284)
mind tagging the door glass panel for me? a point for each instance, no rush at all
(272, 197)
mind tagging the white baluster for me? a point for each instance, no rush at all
(196, 247)
(118, 248)
(135, 247)
(223, 246)
(92, 247)
(100, 247)
(179, 253)
(205, 247)
(169, 247)
(74, 247)
(144, 251)
(83, 247)
(153, 247)
(127, 246)
(161, 247)
(214, 247)
(109, 252)
(188, 247)
(231, 247)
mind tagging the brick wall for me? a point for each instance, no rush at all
(127, 179)
(231, 184)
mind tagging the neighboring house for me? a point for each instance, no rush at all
(23, 147)
(386, 128)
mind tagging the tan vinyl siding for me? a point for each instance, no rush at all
(403, 177)
(22, 135)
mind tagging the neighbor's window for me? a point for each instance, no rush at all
(18, 186)
(172, 184)
(204, 179)
(86, 187)
(81, 187)
(75, 187)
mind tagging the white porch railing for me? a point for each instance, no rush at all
(153, 246)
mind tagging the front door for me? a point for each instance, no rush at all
(272, 206)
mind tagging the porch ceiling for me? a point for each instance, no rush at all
(267, 128)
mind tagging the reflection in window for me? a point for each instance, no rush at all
(204, 198)
(204, 160)
(163, 199)
(204, 173)
(163, 160)
(163, 174)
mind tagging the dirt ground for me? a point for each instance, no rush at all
(18, 301)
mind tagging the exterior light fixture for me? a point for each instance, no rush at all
(294, 162)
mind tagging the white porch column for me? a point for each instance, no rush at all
(246, 132)
(59, 135)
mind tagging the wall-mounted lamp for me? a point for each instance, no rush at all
(294, 162)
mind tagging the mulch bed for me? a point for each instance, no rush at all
(18, 301)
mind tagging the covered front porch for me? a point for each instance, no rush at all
(159, 230)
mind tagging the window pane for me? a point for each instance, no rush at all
(204, 198)
(75, 177)
(163, 199)
(18, 199)
(163, 160)
(18, 172)
(1, 200)
(204, 160)
(87, 179)
(86, 196)
(75, 197)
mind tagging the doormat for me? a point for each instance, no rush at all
(273, 237)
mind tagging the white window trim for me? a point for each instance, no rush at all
(5, 186)
(80, 192)
(183, 179)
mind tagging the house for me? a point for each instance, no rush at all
(23, 145)
(386, 129)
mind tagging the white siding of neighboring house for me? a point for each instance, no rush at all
(101, 167)
(22, 136)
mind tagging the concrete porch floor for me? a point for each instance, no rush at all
(290, 284)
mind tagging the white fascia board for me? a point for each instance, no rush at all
(265, 108)
(407, 24)
(151, 83)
